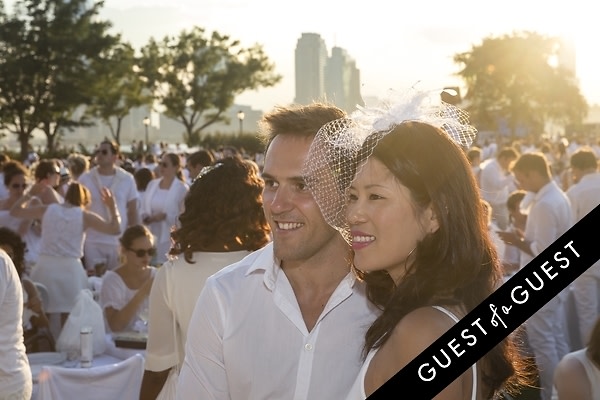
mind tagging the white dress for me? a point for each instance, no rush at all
(175, 290)
(59, 265)
(357, 392)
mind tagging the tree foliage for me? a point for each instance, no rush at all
(195, 77)
(118, 87)
(517, 78)
(45, 57)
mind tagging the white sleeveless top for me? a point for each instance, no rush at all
(62, 231)
(357, 392)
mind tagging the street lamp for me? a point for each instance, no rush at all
(146, 122)
(241, 115)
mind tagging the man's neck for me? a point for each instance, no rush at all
(107, 170)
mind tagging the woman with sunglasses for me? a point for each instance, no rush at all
(16, 180)
(64, 226)
(163, 202)
(124, 291)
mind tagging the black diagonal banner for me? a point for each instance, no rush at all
(498, 315)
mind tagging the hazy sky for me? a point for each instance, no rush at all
(395, 44)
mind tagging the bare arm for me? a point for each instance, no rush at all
(570, 381)
(20, 210)
(132, 214)
(119, 319)
(95, 221)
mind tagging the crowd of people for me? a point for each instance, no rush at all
(321, 272)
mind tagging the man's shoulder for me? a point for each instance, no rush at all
(238, 272)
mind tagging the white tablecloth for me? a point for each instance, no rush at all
(111, 355)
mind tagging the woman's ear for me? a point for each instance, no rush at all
(432, 222)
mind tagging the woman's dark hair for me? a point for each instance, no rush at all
(135, 232)
(8, 237)
(12, 169)
(223, 211)
(457, 264)
(45, 168)
(176, 161)
(142, 177)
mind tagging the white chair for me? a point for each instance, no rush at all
(121, 381)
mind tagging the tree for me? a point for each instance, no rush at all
(118, 87)
(515, 78)
(48, 47)
(195, 77)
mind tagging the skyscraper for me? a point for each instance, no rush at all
(320, 77)
(311, 57)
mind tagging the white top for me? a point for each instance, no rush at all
(584, 195)
(116, 294)
(62, 231)
(549, 217)
(171, 202)
(123, 187)
(175, 290)
(15, 373)
(247, 338)
(357, 392)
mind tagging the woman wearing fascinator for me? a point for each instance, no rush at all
(410, 210)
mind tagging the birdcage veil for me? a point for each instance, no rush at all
(342, 146)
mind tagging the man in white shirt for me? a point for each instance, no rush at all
(288, 321)
(102, 248)
(549, 218)
(496, 182)
(585, 196)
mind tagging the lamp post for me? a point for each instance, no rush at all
(146, 122)
(241, 115)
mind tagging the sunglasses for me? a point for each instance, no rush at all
(19, 186)
(141, 252)
(103, 151)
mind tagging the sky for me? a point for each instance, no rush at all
(395, 44)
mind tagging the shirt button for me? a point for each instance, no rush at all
(308, 346)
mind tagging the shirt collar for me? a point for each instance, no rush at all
(267, 262)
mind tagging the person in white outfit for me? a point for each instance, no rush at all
(496, 182)
(15, 372)
(223, 222)
(162, 204)
(417, 245)
(101, 248)
(59, 265)
(584, 195)
(549, 217)
(287, 321)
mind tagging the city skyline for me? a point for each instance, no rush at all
(392, 48)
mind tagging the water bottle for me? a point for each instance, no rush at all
(87, 347)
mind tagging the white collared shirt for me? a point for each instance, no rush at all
(247, 338)
(550, 216)
(585, 195)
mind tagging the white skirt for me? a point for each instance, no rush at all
(64, 277)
